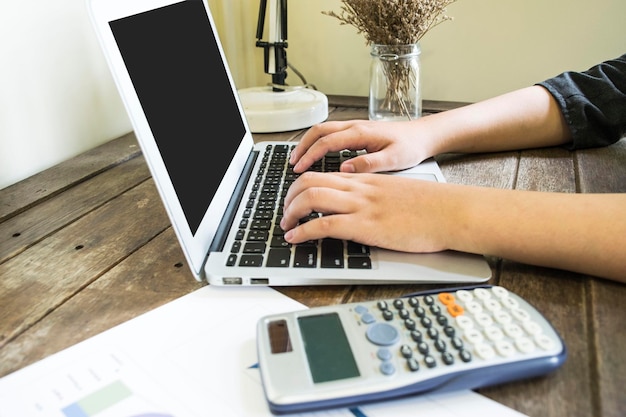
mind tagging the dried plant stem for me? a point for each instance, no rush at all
(394, 23)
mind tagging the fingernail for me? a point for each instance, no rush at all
(288, 235)
(347, 167)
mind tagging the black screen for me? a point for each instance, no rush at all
(175, 65)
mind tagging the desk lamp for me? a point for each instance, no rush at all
(279, 107)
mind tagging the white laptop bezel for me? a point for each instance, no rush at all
(195, 247)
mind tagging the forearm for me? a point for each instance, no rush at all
(526, 118)
(585, 233)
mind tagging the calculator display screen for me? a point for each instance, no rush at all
(327, 349)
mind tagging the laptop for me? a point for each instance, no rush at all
(171, 72)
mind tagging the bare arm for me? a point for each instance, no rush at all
(584, 233)
(526, 118)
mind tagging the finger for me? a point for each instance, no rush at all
(370, 162)
(332, 226)
(319, 200)
(329, 137)
(311, 136)
(312, 179)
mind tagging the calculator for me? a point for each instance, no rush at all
(434, 341)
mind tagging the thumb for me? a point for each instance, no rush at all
(371, 162)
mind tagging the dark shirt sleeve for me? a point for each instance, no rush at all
(593, 103)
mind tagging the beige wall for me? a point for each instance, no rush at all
(491, 46)
(57, 98)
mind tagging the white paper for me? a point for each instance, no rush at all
(193, 357)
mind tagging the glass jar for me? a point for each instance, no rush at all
(395, 89)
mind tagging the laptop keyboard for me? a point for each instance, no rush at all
(259, 240)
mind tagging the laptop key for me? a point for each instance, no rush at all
(359, 262)
(254, 247)
(251, 260)
(332, 253)
(278, 257)
(305, 256)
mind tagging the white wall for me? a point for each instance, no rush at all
(57, 98)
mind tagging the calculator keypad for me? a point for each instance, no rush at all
(453, 328)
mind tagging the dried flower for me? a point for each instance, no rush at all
(392, 22)
(393, 26)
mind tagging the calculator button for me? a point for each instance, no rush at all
(417, 336)
(502, 317)
(360, 309)
(505, 348)
(383, 354)
(521, 315)
(455, 310)
(482, 293)
(405, 351)
(430, 361)
(483, 319)
(382, 334)
(367, 318)
(465, 355)
(531, 327)
(447, 358)
(513, 330)
(413, 364)
(474, 307)
(500, 292)
(492, 305)
(449, 331)
(464, 295)
(524, 344)
(413, 301)
(494, 333)
(464, 322)
(387, 368)
(485, 351)
(544, 341)
(473, 336)
(510, 302)
(446, 298)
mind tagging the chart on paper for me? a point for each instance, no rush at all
(109, 385)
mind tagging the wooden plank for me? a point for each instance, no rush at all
(497, 170)
(21, 196)
(607, 309)
(150, 277)
(428, 106)
(603, 170)
(31, 226)
(62, 264)
(556, 294)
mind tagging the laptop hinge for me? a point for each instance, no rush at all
(229, 215)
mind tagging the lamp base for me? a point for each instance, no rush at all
(281, 111)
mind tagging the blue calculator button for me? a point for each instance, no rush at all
(360, 309)
(387, 368)
(367, 318)
(384, 354)
(382, 334)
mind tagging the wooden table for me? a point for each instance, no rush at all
(86, 245)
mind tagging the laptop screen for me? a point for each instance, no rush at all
(176, 69)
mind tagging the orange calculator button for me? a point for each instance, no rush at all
(446, 298)
(455, 310)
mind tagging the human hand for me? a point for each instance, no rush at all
(387, 211)
(390, 146)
